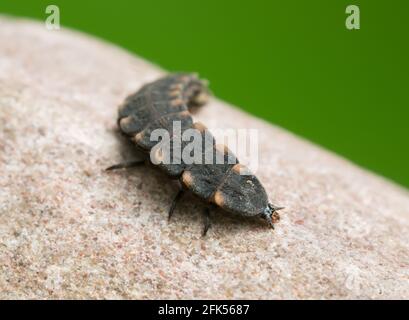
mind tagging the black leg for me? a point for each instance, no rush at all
(127, 165)
(174, 202)
(207, 223)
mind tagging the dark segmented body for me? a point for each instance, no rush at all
(156, 105)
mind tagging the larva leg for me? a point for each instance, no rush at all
(126, 165)
(178, 196)
(207, 222)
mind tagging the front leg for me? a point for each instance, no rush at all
(207, 222)
(176, 199)
(126, 165)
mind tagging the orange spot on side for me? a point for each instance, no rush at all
(185, 113)
(159, 156)
(218, 198)
(176, 102)
(138, 136)
(174, 93)
(187, 179)
(176, 86)
(199, 126)
(238, 167)
(124, 122)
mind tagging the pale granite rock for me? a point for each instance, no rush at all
(70, 230)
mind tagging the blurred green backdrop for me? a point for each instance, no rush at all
(293, 63)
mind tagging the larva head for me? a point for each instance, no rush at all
(271, 215)
(243, 194)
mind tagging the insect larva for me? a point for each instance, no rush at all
(156, 106)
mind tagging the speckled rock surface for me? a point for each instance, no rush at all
(70, 230)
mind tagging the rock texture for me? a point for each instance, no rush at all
(70, 230)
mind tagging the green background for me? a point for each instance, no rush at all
(291, 62)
